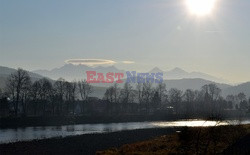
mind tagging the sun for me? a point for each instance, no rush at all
(200, 7)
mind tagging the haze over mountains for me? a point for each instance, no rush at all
(74, 72)
(178, 73)
(176, 78)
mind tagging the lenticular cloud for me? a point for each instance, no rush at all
(90, 62)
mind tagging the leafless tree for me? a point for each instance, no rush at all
(241, 97)
(70, 95)
(230, 101)
(1, 93)
(112, 94)
(189, 98)
(162, 90)
(17, 83)
(211, 96)
(25, 96)
(212, 91)
(175, 99)
(45, 92)
(127, 94)
(85, 89)
(59, 87)
(35, 93)
(147, 94)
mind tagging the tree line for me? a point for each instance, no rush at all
(44, 97)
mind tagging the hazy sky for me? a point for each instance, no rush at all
(42, 34)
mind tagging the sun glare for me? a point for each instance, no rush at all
(200, 7)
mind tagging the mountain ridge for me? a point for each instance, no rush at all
(71, 72)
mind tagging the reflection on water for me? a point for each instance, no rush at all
(191, 123)
(30, 133)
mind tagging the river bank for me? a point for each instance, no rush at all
(210, 140)
(83, 144)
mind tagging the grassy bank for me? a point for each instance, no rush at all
(211, 140)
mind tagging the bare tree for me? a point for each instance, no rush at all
(211, 96)
(147, 94)
(46, 88)
(175, 99)
(212, 91)
(35, 93)
(45, 92)
(112, 94)
(16, 84)
(85, 89)
(230, 101)
(139, 92)
(108, 95)
(59, 87)
(189, 97)
(116, 92)
(127, 94)
(73, 95)
(156, 100)
(70, 95)
(241, 97)
(25, 96)
(162, 90)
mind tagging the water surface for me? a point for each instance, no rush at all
(30, 133)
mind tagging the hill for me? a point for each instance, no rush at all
(244, 87)
(6, 71)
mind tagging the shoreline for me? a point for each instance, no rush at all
(87, 144)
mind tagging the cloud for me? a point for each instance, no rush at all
(90, 62)
(128, 62)
(179, 28)
(213, 31)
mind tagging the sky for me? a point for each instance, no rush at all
(135, 34)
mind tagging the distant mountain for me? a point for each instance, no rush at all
(178, 73)
(6, 71)
(156, 70)
(244, 87)
(74, 72)
(2, 82)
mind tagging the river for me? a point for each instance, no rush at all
(31, 133)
